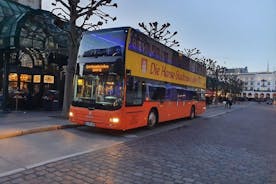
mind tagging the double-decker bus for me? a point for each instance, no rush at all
(125, 79)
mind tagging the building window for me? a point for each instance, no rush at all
(26, 60)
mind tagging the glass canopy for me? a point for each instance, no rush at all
(23, 27)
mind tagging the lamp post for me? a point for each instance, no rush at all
(5, 57)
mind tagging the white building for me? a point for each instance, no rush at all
(258, 84)
(35, 4)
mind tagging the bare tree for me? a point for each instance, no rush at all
(191, 52)
(79, 18)
(161, 34)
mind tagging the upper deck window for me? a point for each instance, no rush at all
(103, 43)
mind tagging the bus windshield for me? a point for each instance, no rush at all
(99, 91)
(99, 78)
(109, 44)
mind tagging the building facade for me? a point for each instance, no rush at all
(33, 56)
(258, 85)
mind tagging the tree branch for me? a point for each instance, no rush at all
(63, 3)
(60, 9)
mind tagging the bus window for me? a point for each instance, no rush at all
(134, 91)
(171, 94)
(157, 93)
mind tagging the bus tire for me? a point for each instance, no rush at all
(152, 119)
(192, 113)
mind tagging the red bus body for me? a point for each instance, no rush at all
(155, 71)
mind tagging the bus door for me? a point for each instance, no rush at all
(135, 95)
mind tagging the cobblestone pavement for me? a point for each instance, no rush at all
(237, 147)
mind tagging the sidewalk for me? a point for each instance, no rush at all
(26, 122)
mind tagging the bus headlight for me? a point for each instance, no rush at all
(114, 120)
(71, 114)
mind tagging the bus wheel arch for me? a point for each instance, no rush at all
(152, 118)
(192, 112)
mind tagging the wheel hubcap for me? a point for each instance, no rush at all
(152, 119)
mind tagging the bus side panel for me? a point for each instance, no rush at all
(200, 107)
(168, 110)
(182, 110)
(135, 116)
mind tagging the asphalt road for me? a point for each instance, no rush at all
(223, 146)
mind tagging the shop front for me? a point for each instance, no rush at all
(33, 56)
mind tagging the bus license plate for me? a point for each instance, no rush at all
(90, 124)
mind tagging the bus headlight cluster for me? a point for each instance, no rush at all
(114, 120)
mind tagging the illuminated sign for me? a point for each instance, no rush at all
(143, 66)
(36, 79)
(96, 67)
(49, 79)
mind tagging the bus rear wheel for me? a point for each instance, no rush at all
(152, 119)
(192, 113)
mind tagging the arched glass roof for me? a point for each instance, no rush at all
(23, 27)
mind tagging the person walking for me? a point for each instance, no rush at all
(230, 102)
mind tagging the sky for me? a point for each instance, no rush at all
(235, 33)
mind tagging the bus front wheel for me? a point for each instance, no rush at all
(192, 113)
(152, 119)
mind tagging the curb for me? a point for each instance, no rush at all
(36, 130)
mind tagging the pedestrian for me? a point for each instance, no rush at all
(225, 102)
(230, 102)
